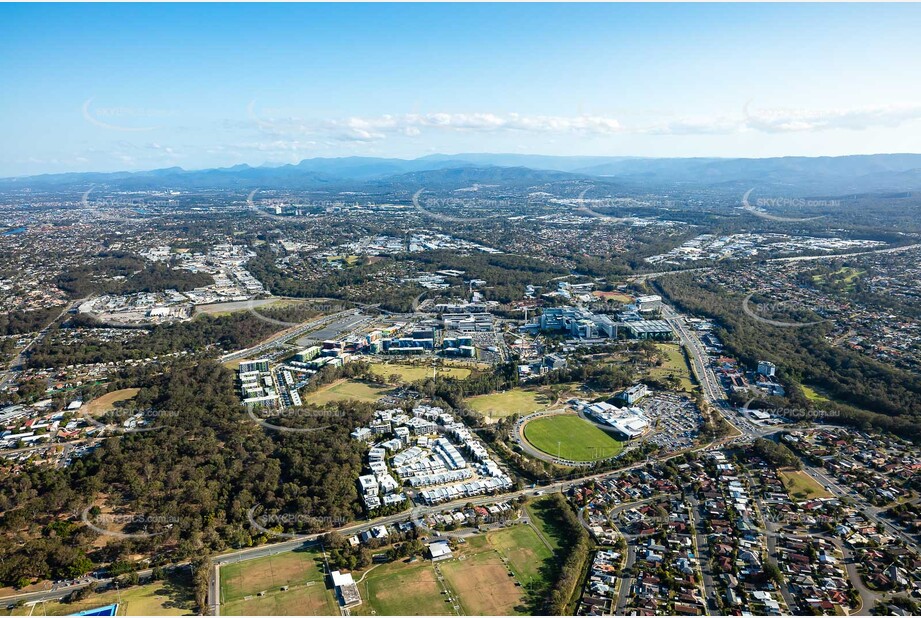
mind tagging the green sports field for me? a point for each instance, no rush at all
(301, 571)
(570, 437)
(802, 486)
(401, 589)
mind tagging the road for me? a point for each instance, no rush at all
(712, 392)
(872, 513)
(334, 329)
(810, 258)
(796, 258)
(625, 582)
(868, 598)
(281, 338)
(770, 535)
(698, 517)
(18, 361)
(709, 383)
(55, 592)
(214, 590)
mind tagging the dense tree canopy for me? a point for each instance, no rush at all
(191, 483)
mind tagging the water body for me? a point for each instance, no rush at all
(18, 230)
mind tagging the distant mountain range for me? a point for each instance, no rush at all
(782, 175)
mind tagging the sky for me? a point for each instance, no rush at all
(108, 87)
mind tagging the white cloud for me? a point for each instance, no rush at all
(857, 119)
(379, 127)
(358, 129)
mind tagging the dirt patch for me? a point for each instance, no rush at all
(107, 402)
(483, 585)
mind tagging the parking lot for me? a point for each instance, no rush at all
(675, 418)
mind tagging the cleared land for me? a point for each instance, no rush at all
(167, 598)
(103, 404)
(483, 584)
(301, 571)
(348, 260)
(802, 486)
(616, 296)
(402, 589)
(343, 390)
(812, 394)
(237, 305)
(570, 437)
(411, 373)
(514, 401)
(674, 364)
(233, 365)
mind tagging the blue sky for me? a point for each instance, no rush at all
(134, 86)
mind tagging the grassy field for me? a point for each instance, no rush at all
(524, 550)
(812, 394)
(301, 571)
(103, 404)
(348, 260)
(845, 277)
(571, 437)
(674, 364)
(411, 373)
(167, 598)
(401, 589)
(542, 517)
(800, 485)
(344, 390)
(514, 401)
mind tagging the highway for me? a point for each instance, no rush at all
(18, 361)
(713, 392)
(286, 335)
(640, 277)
